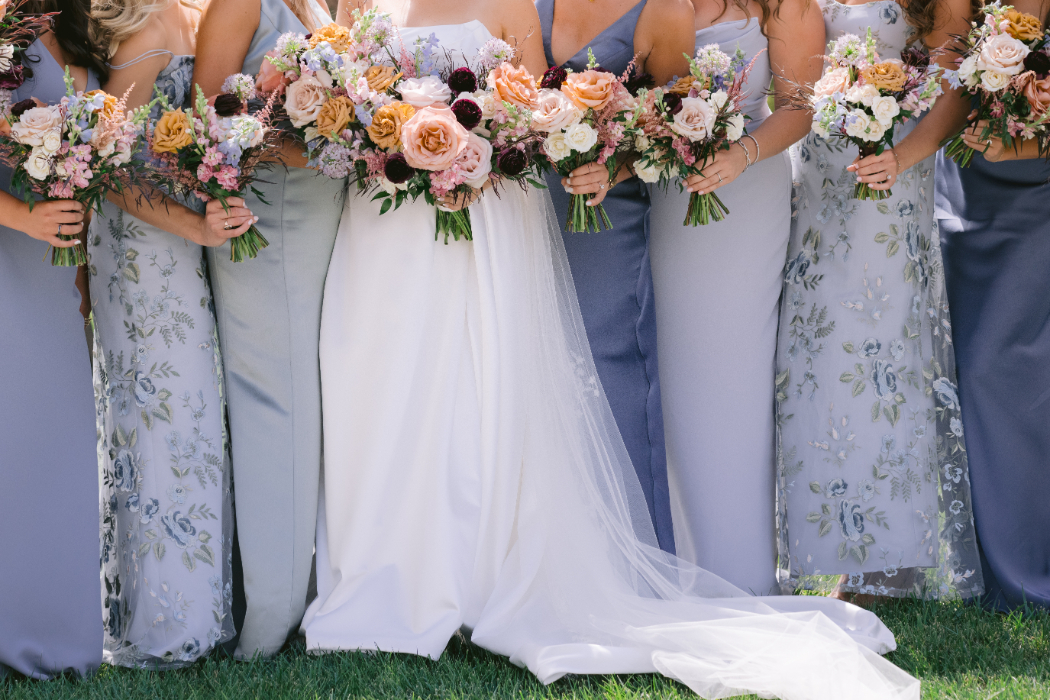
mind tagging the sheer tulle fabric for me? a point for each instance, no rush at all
(574, 581)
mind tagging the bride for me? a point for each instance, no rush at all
(475, 478)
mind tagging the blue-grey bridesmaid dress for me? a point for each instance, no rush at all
(269, 314)
(615, 287)
(995, 236)
(50, 612)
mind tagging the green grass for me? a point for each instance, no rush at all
(959, 652)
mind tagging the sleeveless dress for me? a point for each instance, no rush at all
(269, 313)
(50, 616)
(475, 478)
(614, 285)
(167, 522)
(995, 233)
(872, 472)
(717, 307)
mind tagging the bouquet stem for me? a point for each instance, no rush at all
(69, 257)
(863, 190)
(704, 208)
(247, 245)
(585, 219)
(959, 152)
(454, 223)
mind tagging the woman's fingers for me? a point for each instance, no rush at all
(242, 228)
(54, 240)
(872, 167)
(705, 183)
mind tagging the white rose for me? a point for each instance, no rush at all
(641, 142)
(52, 141)
(1002, 54)
(967, 69)
(885, 109)
(876, 130)
(324, 78)
(857, 124)
(994, 81)
(695, 120)
(719, 99)
(556, 147)
(424, 92)
(487, 103)
(390, 188)
(863, 94)
(581, 137)
(38, 164)
(310, 133)
(554, 112)
(735, 128)
(648, 173)
(34, 124)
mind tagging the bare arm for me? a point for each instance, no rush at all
(42, 223)
(140, 76)
(664, 37)
(520, 25)
(223, 39)
(213, 228)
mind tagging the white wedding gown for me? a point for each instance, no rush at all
(474, 477)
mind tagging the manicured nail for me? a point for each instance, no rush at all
(255, 220)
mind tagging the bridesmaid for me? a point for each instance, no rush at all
(995, 233)
(166, 513)
(269, 312)
(611, 268)
(873, 481)
(50, 614)
(718, 301)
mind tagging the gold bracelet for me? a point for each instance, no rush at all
(898, 159)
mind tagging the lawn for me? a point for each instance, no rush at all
(959, 652)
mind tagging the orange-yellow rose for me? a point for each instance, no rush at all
(1036, 91)
(514, 85)
(385, 129)
(887, 75)
(1023, 26)
(380, 78)
(172, 132)
(433, 138)
(337, 37)
(109, 106)
(334, 116)
(590, 89)
(682, 86)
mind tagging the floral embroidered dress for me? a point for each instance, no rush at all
(166, 513)
(872, 473)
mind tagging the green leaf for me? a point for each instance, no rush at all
(858, 387)
(859, 368)
(151, 534)
(883, 208)
(121, 436)
(134, 437)
(158, 550)
(882, 237)
(867, 539)
(187, 561)
(825, 528)
(847, 377)
(132, 254)
(899, 398)
(813, 517)
(814, 487)
(205, 554)
(876, 412)
(860, 552)
(843, 550)
(131, 272)
(848, 347)
(892, 413)
(892, 248)
(825, 509)
(386, 206)
(144, 549)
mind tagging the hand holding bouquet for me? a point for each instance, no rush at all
(79, 149)
(585, 116)
(681, 128)
(1004, 63)
(862, 98)
(213, 151)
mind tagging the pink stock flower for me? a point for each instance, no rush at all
(227, 177)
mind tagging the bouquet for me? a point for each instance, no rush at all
(1004, 64)
(80, 148)
(681, 128)
(17, 31)
(862, 99)
(592, 113)
(214, 151)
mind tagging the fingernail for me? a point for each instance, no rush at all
(255, 220)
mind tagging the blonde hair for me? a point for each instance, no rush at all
(114, 21)
(302, 10)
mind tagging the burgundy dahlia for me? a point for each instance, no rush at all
(462, 80)
(553, 78)
(19, 108)
(467, 112)
(397, 169)
(12, 79)
(639, 81)
(228, 105)
(672, 103)
(1039, 62)
(912, 56)
(512, 162)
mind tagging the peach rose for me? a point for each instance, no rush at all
(380, 78)
(475, 161)
(589, 89)
(303, 100)
(887, 75)
(334, 116)
(1002, 54)
(385, 129)
(1023, 26)
(514, 85)
(337, 37)
(835, 80)
(172, 132)
(433, 139)
(270, 79)
(554, 112)
(1036, 91)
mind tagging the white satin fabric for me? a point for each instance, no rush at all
(474, 477)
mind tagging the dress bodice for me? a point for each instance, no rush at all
(458, 41)
(176, 80)
(613, 48)
(746, 35)
(889, 26)
(275, 19)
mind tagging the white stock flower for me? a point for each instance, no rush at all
(38, 164)
(556, 147)
(581, 137)
(885, 109)
(735, 127)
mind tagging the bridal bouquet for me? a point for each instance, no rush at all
(1005, 65)
(682, 128)
(862, 99)
(214, 151)
(17, 31)
(586, 118)
(80, 149)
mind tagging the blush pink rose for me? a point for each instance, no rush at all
(304, 99)
(433, 138)
(835, 80)
(475, 161)
(1002, 54)
(554, 112)
(1036, 91)
(424, 92)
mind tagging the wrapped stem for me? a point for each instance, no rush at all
(69, 257)
(704, 208)
(959, 152)
(586, 219)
